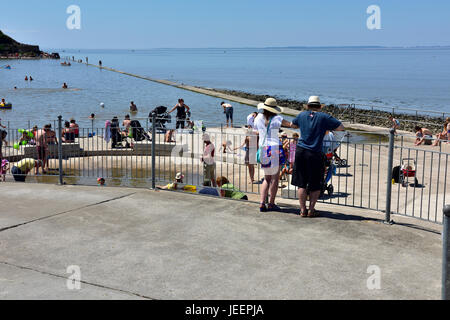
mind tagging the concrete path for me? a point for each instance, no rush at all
(143, 244)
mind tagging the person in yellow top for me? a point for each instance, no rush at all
(22, 168)
(178, 184)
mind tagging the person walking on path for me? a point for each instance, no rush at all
(309, 163)
(182, 111)
(228, 110)
(271, 154)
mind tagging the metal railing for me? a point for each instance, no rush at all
(382, 172)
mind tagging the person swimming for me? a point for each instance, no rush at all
(65, 86)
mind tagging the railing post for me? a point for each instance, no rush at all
(389, 177)
(446, 255)
(60, 169)
(153, 150)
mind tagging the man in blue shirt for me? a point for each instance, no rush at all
(309, 166)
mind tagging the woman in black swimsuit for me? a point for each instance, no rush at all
(182, 111)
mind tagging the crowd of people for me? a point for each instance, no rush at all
(41, 139)
(302, 156)
(299, 156)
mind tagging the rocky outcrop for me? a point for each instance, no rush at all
(11, 48)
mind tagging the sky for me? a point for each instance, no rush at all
(146, 24)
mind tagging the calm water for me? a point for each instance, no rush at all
(410, 78)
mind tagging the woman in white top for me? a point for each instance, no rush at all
(268, 124)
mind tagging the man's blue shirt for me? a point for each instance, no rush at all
(313, 126)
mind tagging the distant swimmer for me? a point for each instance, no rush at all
(31, 79)
(133, 107)
(100, 63)
(102, 105)
(26, 78)
(65, 86)
(15, 88)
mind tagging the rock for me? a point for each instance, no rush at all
(9, 46)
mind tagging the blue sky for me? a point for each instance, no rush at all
(143, 24)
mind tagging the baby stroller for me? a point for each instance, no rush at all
(331, 146)
(329, 169)
(162, 117)
(408, 170)
(116, 136)
(136, 132)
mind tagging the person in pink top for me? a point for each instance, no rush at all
(209, 165)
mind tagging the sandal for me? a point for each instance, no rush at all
(313, 213)
(262, 208)
(303, 214)
(273, 207)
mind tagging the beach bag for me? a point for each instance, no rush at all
(261, 149)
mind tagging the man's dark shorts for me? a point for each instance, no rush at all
(309, 170)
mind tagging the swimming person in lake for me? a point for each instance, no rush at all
(309, 166)
(182, 111)
(64, 86)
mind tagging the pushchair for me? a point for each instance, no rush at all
(406, 170)
(162, 117)
(331, 161)
(116, 136)
(331, 146)
(137, 132)
(328, 173)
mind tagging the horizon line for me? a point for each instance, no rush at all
(262, 47)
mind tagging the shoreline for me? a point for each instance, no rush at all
(354, 115)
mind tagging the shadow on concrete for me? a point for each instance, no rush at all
(330, 215)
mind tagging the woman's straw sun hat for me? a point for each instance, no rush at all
(270, 105)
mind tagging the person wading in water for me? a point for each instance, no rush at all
(182, 111)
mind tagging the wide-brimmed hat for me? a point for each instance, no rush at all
(270, 105)
(206, 137)
(179, 176)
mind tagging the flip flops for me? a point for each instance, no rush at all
(313, 213)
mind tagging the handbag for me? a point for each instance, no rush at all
(260, 149)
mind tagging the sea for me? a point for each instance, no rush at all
(407, 78)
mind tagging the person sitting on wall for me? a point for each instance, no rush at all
(423, 135)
